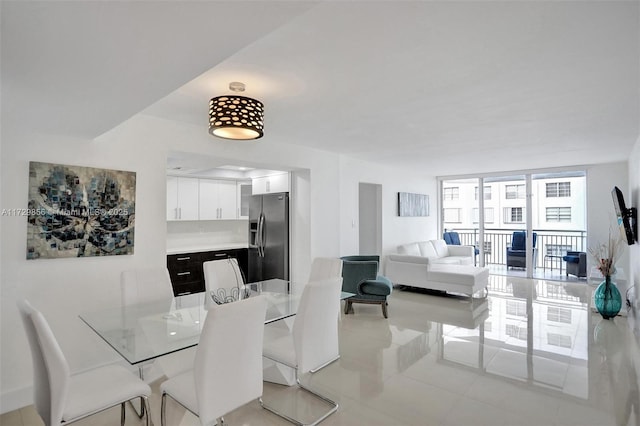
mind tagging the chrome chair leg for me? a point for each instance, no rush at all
(139, 411)
(147, 410)
(333, 409)
(163, 410)
(324, 365)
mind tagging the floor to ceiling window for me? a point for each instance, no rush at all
(487, 210)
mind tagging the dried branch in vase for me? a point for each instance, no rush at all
(607, 254)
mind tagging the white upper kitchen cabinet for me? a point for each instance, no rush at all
(270, 184)
(182, 198)
(218, 199)
(243, 199)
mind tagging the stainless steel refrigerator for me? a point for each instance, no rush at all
(268, 237)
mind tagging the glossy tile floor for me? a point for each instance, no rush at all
(531, 353)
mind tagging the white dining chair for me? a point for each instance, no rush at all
(151, 285)
(62, 398)
(313, 338)
(220, 276)
(145, 286)
(324, 268)
(227, 372)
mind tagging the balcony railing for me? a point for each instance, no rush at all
(551, 244)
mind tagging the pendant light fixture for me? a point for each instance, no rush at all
(236, 117)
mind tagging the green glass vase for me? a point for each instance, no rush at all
(607, 298)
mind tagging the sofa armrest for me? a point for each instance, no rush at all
(408, 258)
(467, 251)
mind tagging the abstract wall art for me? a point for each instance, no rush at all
(76, 211)
(413, 204)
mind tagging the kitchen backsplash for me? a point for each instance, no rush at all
(185, 233)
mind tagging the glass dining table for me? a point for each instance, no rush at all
(142, 332)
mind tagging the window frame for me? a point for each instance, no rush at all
(562, 214)
(444, 214)
(508, 215)
(517, 194)
(558, 189)
(451, 193)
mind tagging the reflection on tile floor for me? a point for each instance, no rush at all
(531, 353)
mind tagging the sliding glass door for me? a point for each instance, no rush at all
(492, 213)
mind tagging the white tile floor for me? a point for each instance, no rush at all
(531, 353)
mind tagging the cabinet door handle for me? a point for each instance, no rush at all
(220, 254)
(179, 212)
(183, 273)
(183, 258)
(183, 293)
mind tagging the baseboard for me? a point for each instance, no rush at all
(16, 399)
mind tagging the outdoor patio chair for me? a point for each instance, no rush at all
(452, 238)
(576, 263)
(516, 252)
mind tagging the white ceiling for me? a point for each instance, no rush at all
(443, 87)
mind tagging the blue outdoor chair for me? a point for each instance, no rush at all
(576, 263)
(516, 252)
(452, 238)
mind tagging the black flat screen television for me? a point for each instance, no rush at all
(627, 217)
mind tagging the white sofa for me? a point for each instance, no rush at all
(437, 251)
(435, 265)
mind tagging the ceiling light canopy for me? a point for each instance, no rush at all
(236, 117)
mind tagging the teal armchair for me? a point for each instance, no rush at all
(360, 276)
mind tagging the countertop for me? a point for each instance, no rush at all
(194, 248)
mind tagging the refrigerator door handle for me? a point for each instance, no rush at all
(261, 234)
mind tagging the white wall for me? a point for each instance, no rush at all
(395, 230)
(62, 288)
(632, 198)
(601, 215)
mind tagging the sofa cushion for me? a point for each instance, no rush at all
(411, 249)
(426, 249)
(462, 275)
(449, 260)
(441, 248)
(420, 260)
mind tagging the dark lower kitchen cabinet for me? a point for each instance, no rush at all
(185, 269)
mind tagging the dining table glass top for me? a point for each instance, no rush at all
(143, 332)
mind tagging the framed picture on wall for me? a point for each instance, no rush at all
(410, 204)
(77, 211)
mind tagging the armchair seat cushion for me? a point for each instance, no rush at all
(381, 286)
(451, 260)
(516, 253)
(360, 276)
(571, 259)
